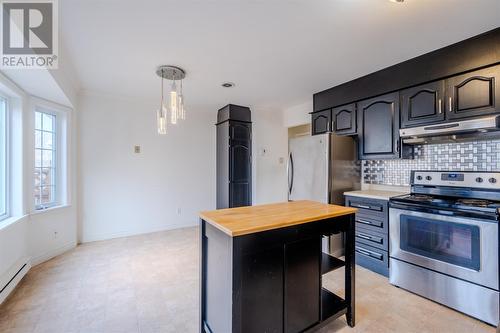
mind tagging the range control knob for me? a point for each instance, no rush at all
(479, 180)
(492, 180)
(419, 177)
(428, 178)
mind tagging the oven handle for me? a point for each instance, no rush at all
(437, 215)
(409, 208)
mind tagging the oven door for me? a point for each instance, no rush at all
(461, 247)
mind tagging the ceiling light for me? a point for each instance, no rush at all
(397, 1)
(175, 106)
(228, 84)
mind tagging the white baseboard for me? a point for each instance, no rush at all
(133, 232)
(10, 282)
(52, 253)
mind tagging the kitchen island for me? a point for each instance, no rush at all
(261, 267)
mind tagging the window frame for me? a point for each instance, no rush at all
(57, 181)
(6, 172)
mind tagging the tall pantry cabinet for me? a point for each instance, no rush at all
(234, 157)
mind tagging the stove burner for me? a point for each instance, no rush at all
(474, 202)
(421, 197)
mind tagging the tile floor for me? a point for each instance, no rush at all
(149, 283)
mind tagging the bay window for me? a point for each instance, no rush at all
(46, 163)
(4, 195)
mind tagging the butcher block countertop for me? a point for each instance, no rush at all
(247, 220)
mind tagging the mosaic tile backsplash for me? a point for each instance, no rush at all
(464, 156)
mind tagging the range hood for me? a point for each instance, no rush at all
(467, 130)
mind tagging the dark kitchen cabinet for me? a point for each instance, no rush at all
(344, 119)
(234, 157)
(423, 104)
(467, 55)
(372, 233)
(378, 121)
(302, 300)
(473, 94)
(321, 122)
(262, 281)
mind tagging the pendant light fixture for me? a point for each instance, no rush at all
(175, 104)
(161, 115)
(182, 111)
(174, 112)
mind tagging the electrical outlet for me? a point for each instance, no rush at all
(179, 211)
(55, 234)
(282, 160)
(137, 149)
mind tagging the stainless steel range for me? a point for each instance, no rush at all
(444, 240)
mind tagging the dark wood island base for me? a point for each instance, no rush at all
(262, 266)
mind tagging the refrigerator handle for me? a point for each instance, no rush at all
(290, 173)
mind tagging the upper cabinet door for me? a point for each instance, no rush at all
(473, 94)
(321, 122)
(379, 127)
(241, 163)
(240, 131)
(344, 119)
(423, 104)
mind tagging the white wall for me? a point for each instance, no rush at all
(123, 193)
(298, 115)
(51, 233)
(14, 253)
(54, 230)
(28, 236)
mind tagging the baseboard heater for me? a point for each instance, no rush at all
(12, 279)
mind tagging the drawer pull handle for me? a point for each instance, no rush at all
(375, 208)
(364, 236)
(363, 252)
(373, 224)
(369, 253)
(362, 206)
(370, 238)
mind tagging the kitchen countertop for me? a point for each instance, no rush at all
(374, 194)
(247, 220)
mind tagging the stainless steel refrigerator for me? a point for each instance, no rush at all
(322, 168)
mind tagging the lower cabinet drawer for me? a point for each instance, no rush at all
(372, 258)
(372, 223)
(373, 207)
(370, 238)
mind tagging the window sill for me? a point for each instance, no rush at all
(49, 209)
(10, 221)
